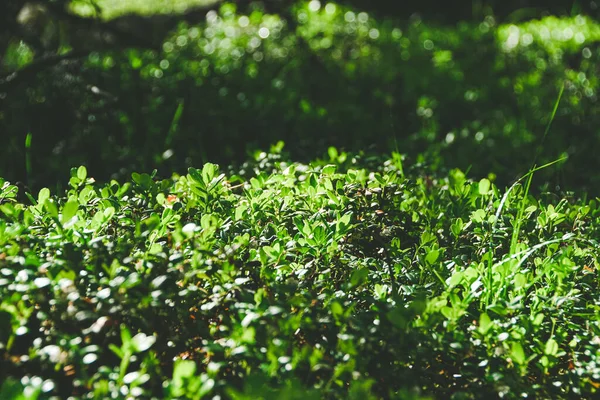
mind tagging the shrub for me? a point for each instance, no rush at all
(342, 278)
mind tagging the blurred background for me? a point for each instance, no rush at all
(124, 86)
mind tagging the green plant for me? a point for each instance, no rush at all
(363, 278)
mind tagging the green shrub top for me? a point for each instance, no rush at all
(344, 278)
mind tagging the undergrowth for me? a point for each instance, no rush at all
(345, 278)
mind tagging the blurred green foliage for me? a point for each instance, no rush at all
(475, 95)
(115, 8)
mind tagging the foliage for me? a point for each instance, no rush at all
(352, 276)
(114, 8)
(474, 95)
(344, 278)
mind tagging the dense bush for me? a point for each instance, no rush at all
(345, 278)
(475, 95)
(355, 275)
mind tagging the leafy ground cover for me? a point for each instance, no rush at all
(344, 278)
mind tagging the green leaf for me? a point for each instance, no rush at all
(108, 213)
(196, 176)
(208, 172)
(43, 195)
(432, 256)
(427, 237)
(156, 248)
(30, 197)
(329, 169)
(206, 387)
(240, 210)
(380, 291)
(13, 389)
(478, 216)
(448, 312)
(345, 219)
(517, 353)
(485, 323)
(499, 309)
(332, 153)
(484, 186)
(51, 209)
(538, 319)
(69, 210)
(520, 280)
(457, 179)
(551, 347)
(455, 279)
(143, 180)
(82, 173)
(86, 194)
(457, 227)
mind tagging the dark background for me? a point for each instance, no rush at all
(435, 84)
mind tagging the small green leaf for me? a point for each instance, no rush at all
(478, 216)
(551, 347)
(143, 180)
(108, 213)
(69, 210)
(457, 227)
(538, 319)
(240, 210)
(329, 169)
(432, 256)
(345, 219)
(455, 279)
(380, 291)
(520, 280)
(86, 194)
(43, 195)
(156, 248)
(484, 186)
(196, 176)
(498, 309)
(517, 353)
(51, 209)
(82, 173)
(206, 387)
(332, 153)
(485, 323)
(208, 172)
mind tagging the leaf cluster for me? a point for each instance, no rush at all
(342, 278)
